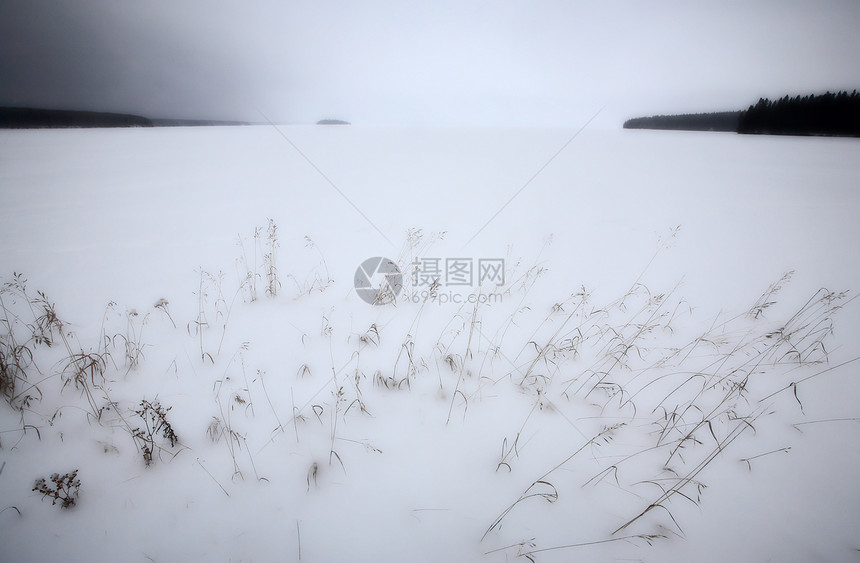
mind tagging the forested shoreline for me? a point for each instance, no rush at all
(828, 114)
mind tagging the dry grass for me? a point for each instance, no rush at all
(648, 405)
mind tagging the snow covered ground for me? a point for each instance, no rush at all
(626, 365)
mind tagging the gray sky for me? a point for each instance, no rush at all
(537, 62)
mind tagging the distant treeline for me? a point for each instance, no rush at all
(825, 114)
(194, 123)
(717, 121)
(33, 118)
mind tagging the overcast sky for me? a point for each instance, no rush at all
(447, 62)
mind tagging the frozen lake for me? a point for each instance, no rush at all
(131, 216)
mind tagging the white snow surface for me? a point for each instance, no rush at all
(306, 434)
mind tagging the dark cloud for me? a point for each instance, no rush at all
(489, 62)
